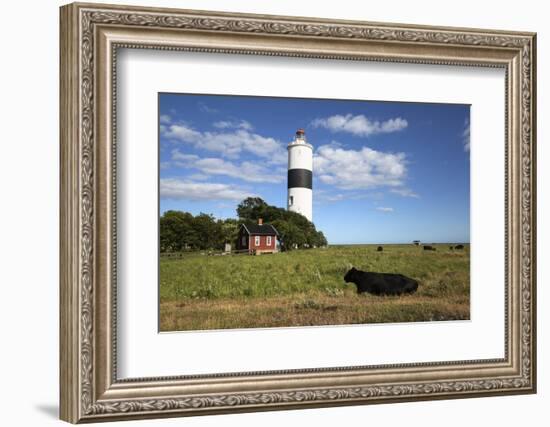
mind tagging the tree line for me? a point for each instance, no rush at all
(182, 231)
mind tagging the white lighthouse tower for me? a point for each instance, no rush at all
(300, 175)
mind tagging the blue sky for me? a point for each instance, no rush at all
(384, 172)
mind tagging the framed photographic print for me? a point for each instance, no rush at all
(304, 202)
(267, 212)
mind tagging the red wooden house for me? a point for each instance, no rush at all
(257, 238)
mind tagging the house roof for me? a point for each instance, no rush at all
(261, 230)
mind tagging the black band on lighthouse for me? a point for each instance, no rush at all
(300, 178)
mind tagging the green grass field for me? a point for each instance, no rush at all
(306, 287)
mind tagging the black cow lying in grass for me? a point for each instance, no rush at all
(459, 247)
(429, 248)
(381, 283)
(379, 248)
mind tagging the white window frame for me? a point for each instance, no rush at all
(257, 240)
(268, 240)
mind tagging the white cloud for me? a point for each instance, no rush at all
(182, 157)
(181, 132)
(230, 144)
(247, 171)
(206, 109)
(328, 196)
(323, 196)
(198, 177)
(165, 119)
(384, 209)
(466, 135)
(174, 188)
(362, 169)
(334, 197)
(359, 125)
(228, 124)
(405, 192)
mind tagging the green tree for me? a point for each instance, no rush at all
(290, 235)
(208, 231)
(229, 230)
(251, 208)
(176, 231)
(320, 239)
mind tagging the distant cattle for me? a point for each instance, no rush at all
(381, 283)
(379, 248)
(459, 247)
(429, 248)
(451, 247)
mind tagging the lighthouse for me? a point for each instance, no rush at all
(300, 176)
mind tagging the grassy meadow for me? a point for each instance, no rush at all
(306, 287)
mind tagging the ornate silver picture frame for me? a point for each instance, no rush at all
(91, 390)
